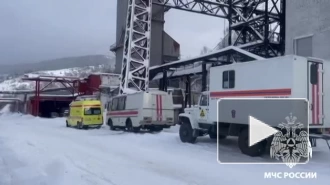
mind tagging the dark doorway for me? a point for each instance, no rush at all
(53, 108)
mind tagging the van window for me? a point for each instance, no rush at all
(109, 106)
(121, 103)
(92, 111)
(228, 79)
(204, 100)
(114, 104)
(314, 73)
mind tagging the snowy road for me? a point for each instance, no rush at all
(43, 151)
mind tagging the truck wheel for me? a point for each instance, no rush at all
(186, 133)
(80, 125)
(129, 126)
(243, 144)
(110, 124)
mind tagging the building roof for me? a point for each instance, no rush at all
(156, 72)
(45, 78)
(213, 54)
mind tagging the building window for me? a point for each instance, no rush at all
(303, 46)
(109, 105)
(228, 79)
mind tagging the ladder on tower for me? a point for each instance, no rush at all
(136, 52)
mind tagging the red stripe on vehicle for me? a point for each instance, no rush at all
(314, 104)
(123, 113)
(261, 92)
(157, 107)
(317, 111)
(318, 103)
(161, 107)
(96, 105)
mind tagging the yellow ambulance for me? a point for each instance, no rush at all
(84, 114)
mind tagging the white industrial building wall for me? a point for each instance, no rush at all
(308, 28)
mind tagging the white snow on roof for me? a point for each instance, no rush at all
(106, 74)
(256, 57)
(17, 83)
(58, 95)
(178, 72)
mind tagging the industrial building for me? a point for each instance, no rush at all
(303, 26)
(52, 102)
(308, 28)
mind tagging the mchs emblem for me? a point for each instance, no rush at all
(291, 143)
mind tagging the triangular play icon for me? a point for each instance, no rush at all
(259, 131)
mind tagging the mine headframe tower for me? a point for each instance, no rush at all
(258, 24)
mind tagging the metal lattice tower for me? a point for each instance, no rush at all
(258, 24)
(135, 65)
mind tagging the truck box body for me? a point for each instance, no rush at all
(281, 77)
(142, 108)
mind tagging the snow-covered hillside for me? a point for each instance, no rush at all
(17, 84)
(43, 151)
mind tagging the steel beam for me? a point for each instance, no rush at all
(258, 23)
(208, 7)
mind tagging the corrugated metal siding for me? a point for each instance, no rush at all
(305, 18)
(171, 48)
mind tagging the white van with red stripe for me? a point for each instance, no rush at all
(281, 77)
(152, 110)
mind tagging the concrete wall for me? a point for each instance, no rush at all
(308, 17)
(157, 27)
(171, 48)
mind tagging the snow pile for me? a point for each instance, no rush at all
(43, 151)
(5, 109)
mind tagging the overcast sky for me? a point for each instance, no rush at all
(35, 30)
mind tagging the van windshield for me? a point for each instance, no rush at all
(92, 111)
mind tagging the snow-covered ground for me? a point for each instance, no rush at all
(37, 151)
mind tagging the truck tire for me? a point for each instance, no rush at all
(80, 125)
(186, 133)
(243, 144)
(130, 128)
(110, 124)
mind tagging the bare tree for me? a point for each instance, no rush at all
(205, 50)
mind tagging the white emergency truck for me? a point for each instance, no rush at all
(151, 110)
(280, 77)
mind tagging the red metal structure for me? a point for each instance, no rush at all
(77, 86)
(93, 84)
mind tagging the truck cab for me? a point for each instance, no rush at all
(196, 121)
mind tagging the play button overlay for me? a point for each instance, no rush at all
(258, 131)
